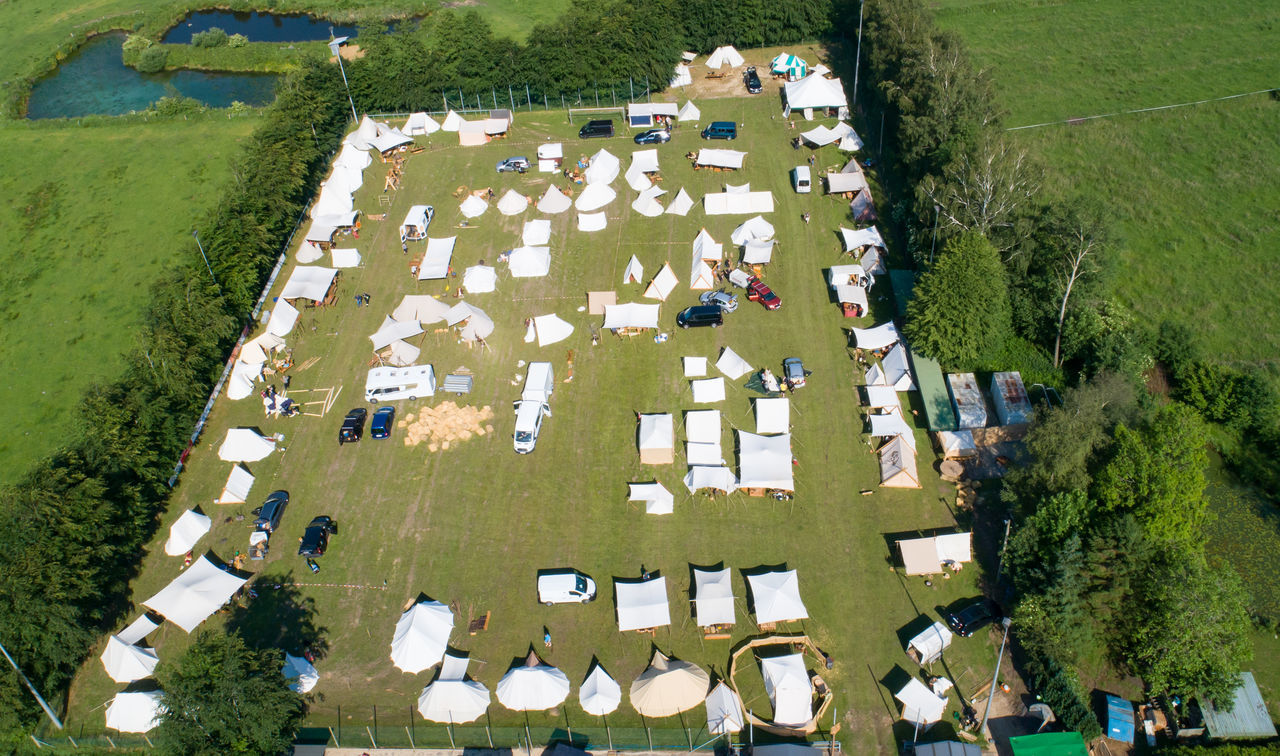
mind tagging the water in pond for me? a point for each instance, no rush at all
(94, 81)
(258, 27)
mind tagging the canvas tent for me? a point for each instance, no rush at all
(393, 330)
(631, 315)
(308, 253)
(786, 682)
(682, 203)
(198, 592)
(436, 258)
(863, 237)
(813, 91)
(599, 694)
(513, 203)
(452, 698)
(715, 478)
(642, 604)
(452, 121)
(877, 337)
(765, 461)
(473, 206)
(718, 158)
(421, 636)
(757, 252)
(882, 397)
(926, 556)
(920, 705)
(533, 686)
(352, 156)
(422, 308)
(927, 647)
(185, 531)
(668, 687)
(135, 711)
(536, 233)
(308, 282)
(702, 426)
(480, 279)
(641, 114)
(733, 203)
(724, 55)
(236, 490)
(724, 711)
(634, 272)
(389, 138)
(603, 168)
(647, 203)
(732, 365)
(689, 112)
(713, 597)
(898, 465)
(957, 444)
(753, 229)
(707, 390)
(301, 674)
(893, 371)
(283, 318)
(656, 440)
(657, 499)
(420, 124)
(589, 222)
(681, 77)
(790, 66)
(694, 367)
(890, 425)
(776, 596)
(138, 630)
(245, 445)
(642, 162)
(554, 202)
(843, 183)
(475, 323)
(773, 415)
(126, 663)
(551, 329)
(550, 156)
(529, 262)
(594, 197)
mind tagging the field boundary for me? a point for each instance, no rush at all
(1081, 119)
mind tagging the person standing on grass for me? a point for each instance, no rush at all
(546, 637)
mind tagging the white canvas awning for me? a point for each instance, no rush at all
(777, 596)
(863, 237)
(392, 330)
(732, 365)
(930, 644)
(352, 156)
(476, 324)
(926, 556)
(919, 704)
(765, 461)
(814, 91)
(702, 426)
(202, 589)
(724, 711)
(591, 222)
(436, 259)
(840, 183)
(725, 55)
(689, 112)
(599, 694)
(694, 367)
(707, 390)
(420, 124)
(652, 109)
(731, 203)
(551, 329)
(390, 139)
(189, 528)
(473, 207)
(603, 168)
(656, 439)
(898, 465)
(308, 282)
(240, 382)
(536, 233)
(786, 682)
(135, 711)
(753, 229)
(634, 272)
(820, 136)
(284, 317)
(713, 597)
(631, 315)
(422, 308)
(533, 686)
(480, 279)
(236, 490)
(714, 478)
(529, 262)
(773, 415)
(657, 499)
(647, 203)
(126, 663)
(890, 425)
(301, 674)
(878, 337)
(421, 636)
(883, 397)
(594, 197)
(513, 203)
(642, 604)
(681, 205)
(332, 200)
(662, 284)
(245, 445)
(554, 202)
(720, 158)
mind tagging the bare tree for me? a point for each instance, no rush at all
(985, 190)
(1080, 259)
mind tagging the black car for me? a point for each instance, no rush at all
(352, 426)
(653, 136)
(793, 372)
(972, 618)
(315, 539)
(383, 419)
(700, 315)
(752, 80)
(596, 130)
(270, 512)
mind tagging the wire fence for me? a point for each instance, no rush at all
(518, 97)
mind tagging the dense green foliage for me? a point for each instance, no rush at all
(961, 307)
(213, 37)
(223, 697)
(152, 59)
(1221, 749)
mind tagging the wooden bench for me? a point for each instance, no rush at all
(479, 624)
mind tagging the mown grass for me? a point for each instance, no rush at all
(471, 525)
(91, 216)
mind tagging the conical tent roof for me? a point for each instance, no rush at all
(554, 202)
(473, 207)
(452, 698)
(301, 673)
(125, 663)
(135, 712)
(513, 203)
(594, 197)
(604, 168)
(185, 531)
(724, 711)
(682, 203)
(245, 445)
(668, 687)
(533, 686)
(600, 694)
(634, 272)
(422, 634)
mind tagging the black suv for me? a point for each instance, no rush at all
(270, 512)
(596, 130)
(752, 80)
(700, 315)
(352, 426)
(972, 618)
(315, 539)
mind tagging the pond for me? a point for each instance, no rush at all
(258, 27)
(95, 81)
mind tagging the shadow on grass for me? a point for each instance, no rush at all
(280, 617)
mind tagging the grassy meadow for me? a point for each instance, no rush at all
(471, 524)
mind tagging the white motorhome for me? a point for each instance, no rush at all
(386, 384)
(539, 382)
(529, 414)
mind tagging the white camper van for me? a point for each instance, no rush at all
(801, 179)
(386, 384)
(539, 383)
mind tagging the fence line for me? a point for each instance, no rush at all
(523, 97)
(1082, 119)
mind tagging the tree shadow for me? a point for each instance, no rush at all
(280, 616)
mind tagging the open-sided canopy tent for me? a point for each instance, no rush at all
(776, 596)
(126, 663)
(724, 55)
(198, 592)
(957, 444)
(814, 91)
(707, 390)
(451, 698)
(533, 686)
(240, 382)
(421, 637)
(631, 315)
(436, 259)
(513, 203)
(640, 114)
(717, 158)
(599, 694)
(840, 183)
(185, 531)
(536, 232)
(452, 121)
(702, 426)
(480, 279)
(689, 112)
(765, 461)
(422, 308)
(893, 371)
(301, 674)
(656, 439)
(590, 222)
(854, 295)
(925, 556)
(877, 337)
(135, 711)
(694, 367)
(245, 445)
(475, 323)
(919, 704)
(681, 76)
(668, 687)
(862, 237)
(393, 330)
(647, 203)
(594, 197)
(1049, 744)
(773, 415)
(322, 229)
(473, 207)
(554, 202)
(715, 478)
(788, 65)
(732, 365)
(786, 682)
(927, 647)
(333, 200)
(753, 229)
(420, 124)
(308, 282)
(529, 262)
(891, 424)
(642, 604)
(682, 203)
(713, 597)
(642, 162)
(236, 490)
(820, 136)
(724, 711)
(898, 465)
(551, 329)
(603, 169)
(733, 203)
(657, 499)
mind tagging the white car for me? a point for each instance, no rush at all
(529, 414)
(565, 587)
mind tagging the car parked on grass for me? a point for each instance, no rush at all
(653, 136)
(513, 165)
(384, 419)
(565, 587)
(721, 130)
(971, 618)
(698, 316)
(757, 291)
(726, 301)
(270, 512)
(793, 372)
(352, 429)
(752, 80)
(315, 539)
(596, 130)
(529, 414)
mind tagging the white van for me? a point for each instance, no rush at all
(539, 382)
(529, 414)
(801, 179)
(565, 587)
(386, 384)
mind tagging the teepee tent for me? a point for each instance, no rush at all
(421, 636)
(126, 663)
(603, 169)
(724, 711)
(420, 124)
(554, 202)
(594, 197)
(135, 712)
(647, 203)
(473, 207)
(599, 694)
(533, 686)
(185, 531)
(452, 121)
(668, 687)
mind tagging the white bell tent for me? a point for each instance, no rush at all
(480, 279)
(533, 686)
(594, 197)
(603, 169)
(135, 711)
(473, 207)
(452, 698)
(536, 233)
(551, 329)
(513, 203)
(554, 201)
(599, 694)
(301, 674)
(668, 687)
(126, 663)
(725, 55)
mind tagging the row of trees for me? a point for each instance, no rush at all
(72, 529)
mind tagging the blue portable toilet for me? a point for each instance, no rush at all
(1119, 719)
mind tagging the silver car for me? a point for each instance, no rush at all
(726, 301)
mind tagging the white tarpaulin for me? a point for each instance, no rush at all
(883, 397)
(681, 77)
(702, 426)
(695, 367)
(529, 262)
(135, 712)
(840, 183)
(634, 272)
(713, 597)
(536, 233)
(631, 315)
(185, 531)
(202, 589)
(236, 490)
(877, 337)
(898, 465)
(657, 499)
(243, 375)
(643, 109)
(301, 674)
(308, 282)
(681, 205)
(724, 711)
(554, 202)
(757, 252)
(869, 236)
(724, 55)
(473, 207)
(422, 308)
(647, 203)
(480, 279)
(308, 253)
(603, 168)
(765, 461)
(668, 687)
(814, 91)
(476, 324)
(786, 682)
(643, 604)
(452, 121)
(244, 445)
(753, 229)
(333, 200)
(732, 365)
(930, 644)
(594, 197)
(715, 478)
(137, 631)
(891, 425)
(421, 637)
(391, 330)
(126, 663)
(590, 222)
(420, 124)
(927, 556)
(642, 162)
(283, 318)
(730, 203)
(919, 704)
(435, 261)
(777, 596)
(892, 371)
(551, 329)
(662, 284)
(533, 686)
(718, 158)
(820, 136)
(599, 694)
(773, 415)
(513, 203)
(707, 390)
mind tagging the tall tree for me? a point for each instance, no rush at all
(961, 307)
(985, 190)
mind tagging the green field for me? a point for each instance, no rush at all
(470, 525)
(89, 222)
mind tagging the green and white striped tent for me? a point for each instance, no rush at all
(790, 66)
